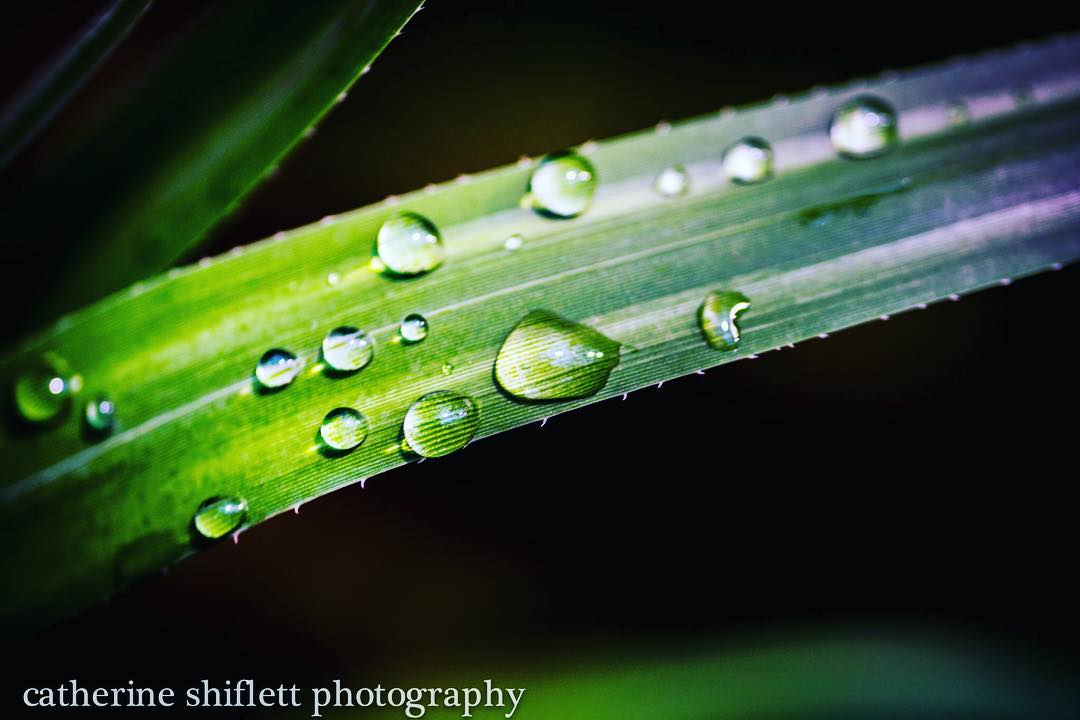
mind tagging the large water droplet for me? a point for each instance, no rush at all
(672, 181)
(718, 318)
(343, 429)
(43, 389)
(413, 329)
(100, 414)
(547, 357)
(749, 160)
(864, 126)
(219, 516)
(277, 368)
(440, 423)
(347, 349)
(409, 244)
(563, 184)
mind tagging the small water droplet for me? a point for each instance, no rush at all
(749, 160)
(563, 185)
(413, 329)
(513, 242)
(718, 318)
(958, 112)
(409, 244)
(43, 389)
(347, 349)
(440, 423)
(333, 278)
(343, 429)
(547, 357)
(1022, 96)
(672, 181)
(863, 127)
(277, 368)
(447, 368)
(219, 516)
(100, 414)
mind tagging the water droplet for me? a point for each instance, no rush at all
(513, 242)
(347, 349)
(100, 414)
(563, 185)
(43, 389)
(547, 357)
(1022, 96)
(447, 368)
(414, 328)
(409, 244)
(277, 368)
(958, 112)
(219, 516)
(440, 423)
(749, 160)
(864, 126)
(718, 318)
(343, 429)
(672, 181)
(333, 278)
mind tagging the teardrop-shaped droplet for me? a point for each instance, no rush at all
(409, 244)
(413, 329)
(219, 516)
(718, 318)
(672, 181)
(514, 242)
(958, 112)
(43, 389)
(277, 368)
(100, 414)
(347, 349)
(343, 428)
(864, 126)
(563, 184)
(547, 357)
(750, 160)
(440, 423)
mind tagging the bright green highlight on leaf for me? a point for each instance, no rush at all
(219, 516)
(719, 318)
(563, 185)
(409, 244)
(440, 423)
(864, 127)
(547, 357)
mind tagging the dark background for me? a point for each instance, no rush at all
(914, 474)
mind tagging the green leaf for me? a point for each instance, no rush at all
(32, 109)
(827, 243)
(809, 676)
(210, 119)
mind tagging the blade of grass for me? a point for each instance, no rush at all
(209, 121)
(33, 108)
(807, 675)
(827, 244)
